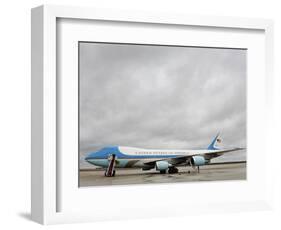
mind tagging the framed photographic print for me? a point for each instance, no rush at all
(152, 95)
(160, 107)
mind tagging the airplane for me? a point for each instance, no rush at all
(110, 158)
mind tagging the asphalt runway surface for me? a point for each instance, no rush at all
(212, 172)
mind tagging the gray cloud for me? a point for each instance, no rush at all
(161, 97)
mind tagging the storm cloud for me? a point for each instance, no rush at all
(161, 96)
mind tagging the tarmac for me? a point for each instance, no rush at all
(211, 172)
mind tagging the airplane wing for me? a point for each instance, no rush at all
(213, 154)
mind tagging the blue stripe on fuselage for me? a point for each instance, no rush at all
(105, 152)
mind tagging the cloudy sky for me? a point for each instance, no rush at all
(161, 96)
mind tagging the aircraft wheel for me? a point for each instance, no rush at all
(173, 170)
(163, 172)
(113, 174)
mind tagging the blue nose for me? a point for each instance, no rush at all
(87, 158)
(90, 156)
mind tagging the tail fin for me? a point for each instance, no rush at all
(212, 146)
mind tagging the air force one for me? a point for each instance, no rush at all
(110, 158)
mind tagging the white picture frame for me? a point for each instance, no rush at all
(47, 184)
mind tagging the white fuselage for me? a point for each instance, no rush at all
(137, 157)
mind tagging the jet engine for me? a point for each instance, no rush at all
(162, 165)
(198, 160)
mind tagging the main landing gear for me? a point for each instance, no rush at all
(173, 170)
